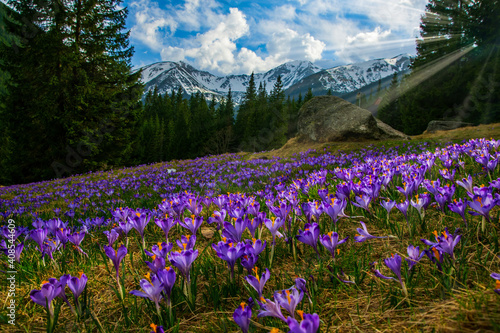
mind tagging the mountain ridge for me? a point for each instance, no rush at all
(295, 75)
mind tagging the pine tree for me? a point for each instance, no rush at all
(278, 123)
(246, 115)
(309, 95)
(74, 93)
(443, 30)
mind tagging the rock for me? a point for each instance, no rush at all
(330, 118)
(445, 125)
(208, 233)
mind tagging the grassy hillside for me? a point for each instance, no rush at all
(222, 207)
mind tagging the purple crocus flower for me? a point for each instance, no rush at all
(242, 316)
(14, 233)
(482, 205)
(363, 201)
(76, 238)
(77, 285)
(167, 277)
(156, 329)
(256, 246)
(307, 210)
(62, 236)
(335, 209)
(160, 250)
(229, 253)
(363, 234)
(316, 210)
(187, 242)
(192, 224)
(166, 224)
(39, 235)
(253, 225)
(414, 256)
(156, 264)
(289, 299)
(377, 273)
(403, 208)
(435, 256)
(447, 242)
(253, 208)
(50, 247)
(248, 260)
(330, 241)
(394, 263)
(270, 309)
(183, 261)
(151, 290)
(466, 183)
(46, 295)
(235, 232)
(112, 236)
(16, 251)
(496, 276)
(124, 228)
(116, 257)
(256, 282)
(459, 207)
(218, 217)
(421, 203)
(282, 211)
(139, 222)
(388, 205)
(273, 225)
(408, 189)
(309, 323)
(310, 236)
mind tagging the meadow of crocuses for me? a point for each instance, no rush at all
(378, 239)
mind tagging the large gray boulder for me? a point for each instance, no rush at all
(445, 125)
(330, 118)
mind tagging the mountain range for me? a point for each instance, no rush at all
(297, 76)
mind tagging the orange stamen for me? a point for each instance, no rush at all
(301, 314)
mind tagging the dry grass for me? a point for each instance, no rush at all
(295, 146)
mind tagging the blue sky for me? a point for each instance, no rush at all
(235, 37)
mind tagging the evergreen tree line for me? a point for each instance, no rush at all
(456, 74)
(174, 127)
(68, 100)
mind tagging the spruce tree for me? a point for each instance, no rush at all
(278, 123)
(75, 93)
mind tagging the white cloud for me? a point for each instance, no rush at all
(216, 50)
(289, 45)
(364, 45)
(260, 36)
(151, 24)
(370, 37)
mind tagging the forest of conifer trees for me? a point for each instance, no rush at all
(70, 102)
(456, 74)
